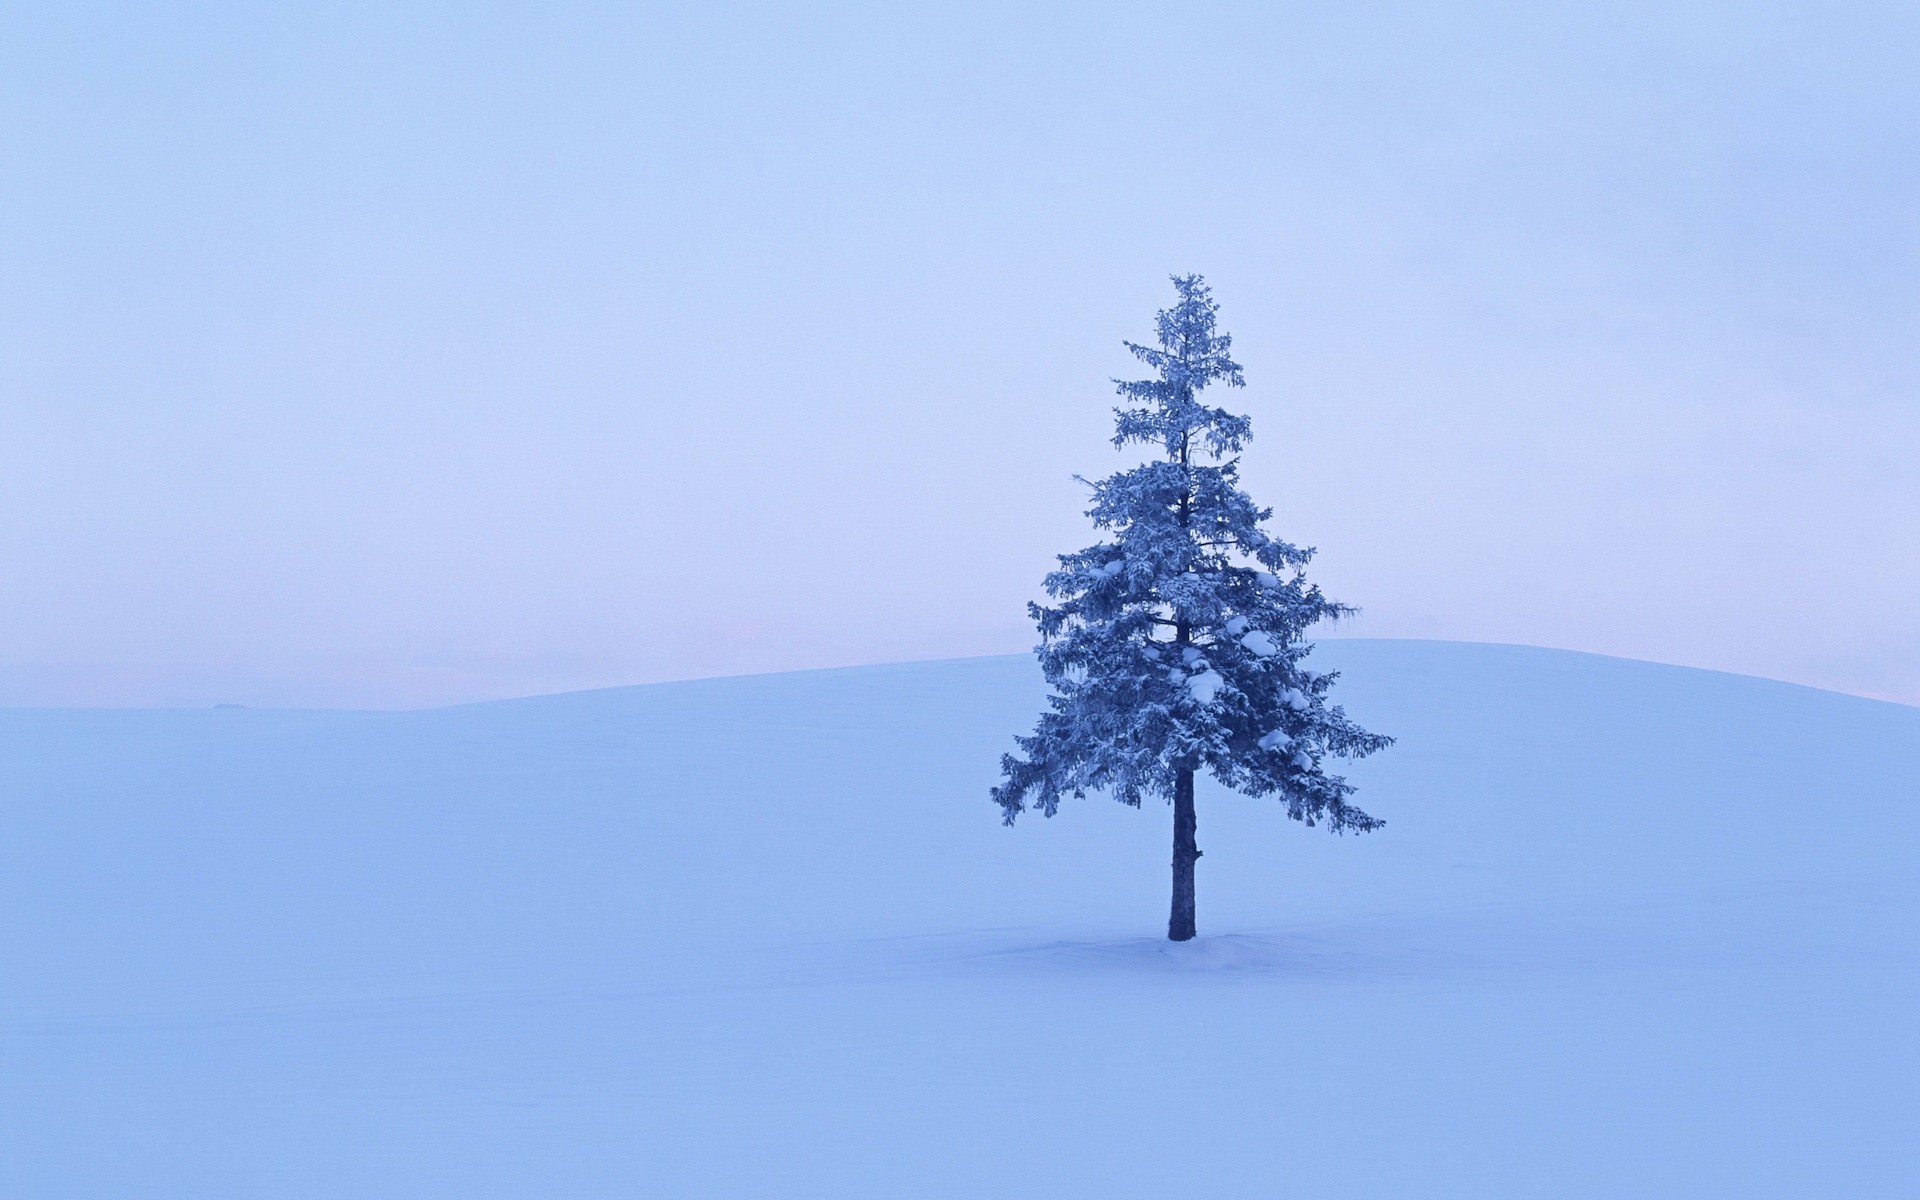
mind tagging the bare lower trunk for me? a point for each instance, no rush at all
(1180, 924)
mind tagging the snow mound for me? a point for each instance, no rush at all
(1205, 686)
(766, 936)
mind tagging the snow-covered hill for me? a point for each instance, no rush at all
(1631, 930)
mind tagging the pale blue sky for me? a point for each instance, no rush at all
(400, 353)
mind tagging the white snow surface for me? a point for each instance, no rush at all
(765, 936)
(1259, 643)
(1205, 686)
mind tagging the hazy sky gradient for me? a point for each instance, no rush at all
(401, 353)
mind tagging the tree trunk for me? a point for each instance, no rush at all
(1180, 924)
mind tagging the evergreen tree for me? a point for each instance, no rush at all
(1177, 645)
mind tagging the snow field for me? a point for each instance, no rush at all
(1629, 930)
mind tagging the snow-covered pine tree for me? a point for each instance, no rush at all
(1178, 644)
